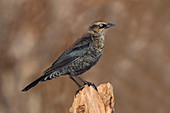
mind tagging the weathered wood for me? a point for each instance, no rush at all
(90, 101)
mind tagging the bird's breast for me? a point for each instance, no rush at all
(97, 46)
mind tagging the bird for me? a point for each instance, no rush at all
(79, 57)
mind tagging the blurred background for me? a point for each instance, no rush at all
(136, 59)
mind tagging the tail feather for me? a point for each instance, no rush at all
(33, 83)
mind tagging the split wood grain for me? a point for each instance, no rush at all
(90, 101)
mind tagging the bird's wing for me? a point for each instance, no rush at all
(78, 49)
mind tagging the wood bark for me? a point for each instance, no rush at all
(89, 100)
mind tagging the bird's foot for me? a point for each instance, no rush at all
(86, 83)
(80, 88)
(91, 84)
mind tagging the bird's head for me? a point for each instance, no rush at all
(100, 27)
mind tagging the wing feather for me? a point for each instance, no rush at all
(78, 49)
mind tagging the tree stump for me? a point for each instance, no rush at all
(90, 101)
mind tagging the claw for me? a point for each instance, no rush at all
(91, 84)
(79, 90)
(86, 83)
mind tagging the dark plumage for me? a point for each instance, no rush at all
(80, 57)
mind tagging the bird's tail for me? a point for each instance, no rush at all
(33, 83)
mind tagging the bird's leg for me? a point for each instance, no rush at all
(76, 82)
(80, 87)
(85, 82)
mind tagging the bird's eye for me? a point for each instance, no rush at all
(102, 26)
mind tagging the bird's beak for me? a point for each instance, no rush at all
(110, 25)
